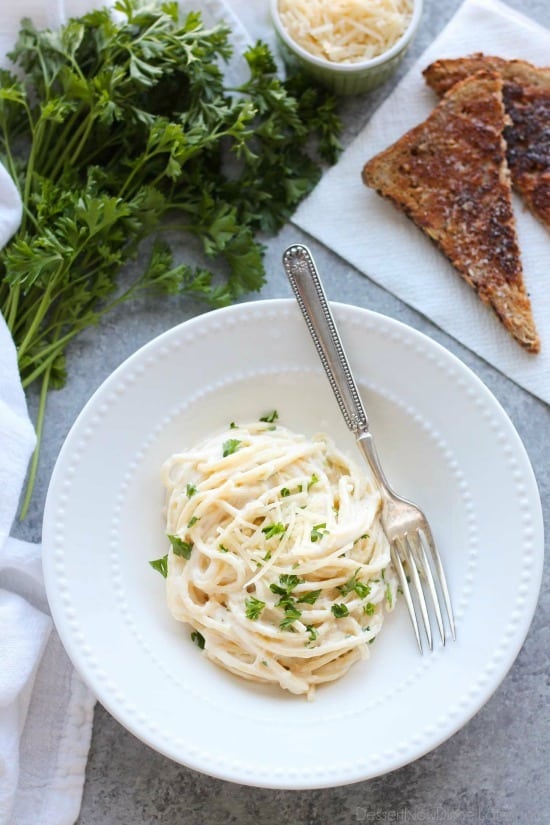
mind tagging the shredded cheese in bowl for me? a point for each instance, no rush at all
(345, 31)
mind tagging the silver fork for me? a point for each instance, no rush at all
(413, 551)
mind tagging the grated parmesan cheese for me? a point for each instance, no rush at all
(345, 31)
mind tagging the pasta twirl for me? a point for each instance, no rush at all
(277, 554)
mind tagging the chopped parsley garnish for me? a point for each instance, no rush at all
(161, 565)
(253, 607)
(369, 608)
(233, 426)
(286, 491)
(312, 632)
(275, 529)
(198, 638)
(192, 521)
(388, 595)
(313, 480)
(190, 490)
(271, 417)
(222, 548)
(291, 614)
(318, 531)
(181, 547)
(339, 610)
(309, 598)
(358, 587)
(287, 583)
(362, 589)
(230, 446)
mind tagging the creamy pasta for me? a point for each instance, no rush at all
(277, 557)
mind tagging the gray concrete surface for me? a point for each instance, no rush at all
(494, 770)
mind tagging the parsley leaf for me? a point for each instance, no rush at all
(275, 529)
(312, 631)
(287, 583)
(253, 607)
(291, 614)
(339, 610)
(354, 584)
(181, 547)
(318, 531)
(309, 598)
(230, 446)
(161, 565)
(198, 638)
(271, 417)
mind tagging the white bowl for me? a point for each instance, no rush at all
(103, 524)
(346, 78)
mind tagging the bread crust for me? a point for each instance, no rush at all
(449, 175)
(526, 94)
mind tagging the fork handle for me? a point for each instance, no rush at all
(310, 294)
(312, 300)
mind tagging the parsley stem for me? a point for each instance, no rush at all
(37, 318)
(39, 425)
(76, 137)
(47, 357)
(94, 151)
(29, 174)
(60, 140)
(10, 312)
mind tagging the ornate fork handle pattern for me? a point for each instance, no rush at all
(310, 294)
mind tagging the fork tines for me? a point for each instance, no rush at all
(419, 567)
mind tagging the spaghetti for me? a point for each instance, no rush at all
(277, 556)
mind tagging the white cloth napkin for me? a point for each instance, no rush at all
(371, 234)
(45, 710)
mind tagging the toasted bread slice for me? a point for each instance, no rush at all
(526, 93)
(449, 175)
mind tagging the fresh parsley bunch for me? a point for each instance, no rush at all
(116, 128)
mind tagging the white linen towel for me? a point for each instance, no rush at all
(45, 710)
(368, 232)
